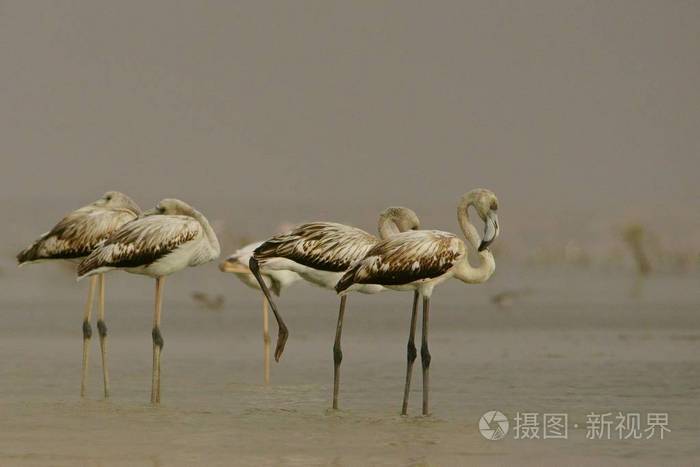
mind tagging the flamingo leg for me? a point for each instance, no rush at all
(425, 357)
(87, 334)
(266, 341)
(338, 352)
(282, 332)
(102, 330)
(157, 343)
(410, 353)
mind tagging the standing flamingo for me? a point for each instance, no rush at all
(320, 252)
(72, 239)
(421, 260)
(167, 239)
(237, 263)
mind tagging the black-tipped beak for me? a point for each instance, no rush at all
(491, 230)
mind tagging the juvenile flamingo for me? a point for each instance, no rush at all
(72, 239)
(166, 239)
(419, 261)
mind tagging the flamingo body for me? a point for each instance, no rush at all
(416, 260)
(155, 246)
(78, 233)
(319, 252)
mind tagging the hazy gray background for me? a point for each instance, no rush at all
(577, 114)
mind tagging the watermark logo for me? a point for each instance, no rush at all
(493, 425)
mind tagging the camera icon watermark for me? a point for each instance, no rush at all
(493, 425)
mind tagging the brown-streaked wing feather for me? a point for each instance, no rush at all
(142, 242)
(406, 258)
(326, 246)
(77, 234)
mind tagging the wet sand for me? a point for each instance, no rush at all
(579, 343)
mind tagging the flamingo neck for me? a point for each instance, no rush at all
(487, 265)
(208, 231)
(387, 227)
(395, 220)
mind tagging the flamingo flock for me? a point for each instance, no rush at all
(113, 233)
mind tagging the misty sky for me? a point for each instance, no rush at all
(558, 106)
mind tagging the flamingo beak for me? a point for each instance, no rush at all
(232, 264)
(224, 266)
(491, 230)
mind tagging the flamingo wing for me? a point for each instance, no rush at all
(142, 242)
(77, 234)
(325, 246)
(405, 258)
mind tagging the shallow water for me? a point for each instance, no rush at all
(577, 343)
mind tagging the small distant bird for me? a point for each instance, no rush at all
(276, 281)
(320, 252)
(72, 239)
(208, 302)
(420, 260)
(166, 239)
(506, 298)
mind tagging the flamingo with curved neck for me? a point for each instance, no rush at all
(487, 265)
(420, 260)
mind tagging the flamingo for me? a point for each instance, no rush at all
(72, 239)
(237, 263)
(420, 260)
(320, 252)
(166, 239)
